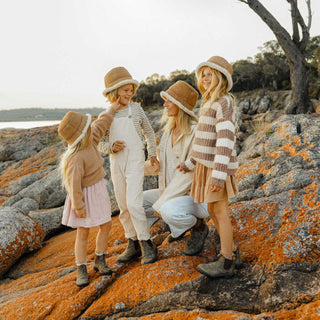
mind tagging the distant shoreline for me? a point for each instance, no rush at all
(39, 114)
(4, 125)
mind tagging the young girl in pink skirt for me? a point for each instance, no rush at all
(214, 159)
(87, 204)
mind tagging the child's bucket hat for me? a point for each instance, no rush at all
(116, 78)
(73, 127)
(219, 64)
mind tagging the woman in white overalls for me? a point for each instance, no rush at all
(125, 143)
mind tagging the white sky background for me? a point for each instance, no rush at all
(55, 53)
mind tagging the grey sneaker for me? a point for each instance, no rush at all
(100, 265)
(82, 276)
(222, 267)
(149, 251)
(197, 238)
(132, 251)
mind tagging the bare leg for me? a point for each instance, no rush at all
(102, 237)
(216, 224)
(219, 212)
(81, 245)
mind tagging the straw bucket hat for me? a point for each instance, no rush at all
(219, 64)
(116, 78)
(182, 95)
(73, 127)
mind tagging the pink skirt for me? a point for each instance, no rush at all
(97, 204)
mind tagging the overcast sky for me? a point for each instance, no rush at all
(55, 53)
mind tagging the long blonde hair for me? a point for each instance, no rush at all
(67, 155)
(184, 119)
(213, 93)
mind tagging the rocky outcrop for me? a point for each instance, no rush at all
(276, 226)
(19, 235)
(49, 220)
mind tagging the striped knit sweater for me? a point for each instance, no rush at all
(142, 126)
(214, 144)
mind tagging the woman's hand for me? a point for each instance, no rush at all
(183, 168)
(155, 164)
(118, 146)
(214, 188)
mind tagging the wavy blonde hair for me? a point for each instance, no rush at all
(184, 119)
(67, 155)
(213, 93)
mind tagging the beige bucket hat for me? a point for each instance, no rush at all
(182, 95)
(219, 64)
(73, 127)
(116, 78)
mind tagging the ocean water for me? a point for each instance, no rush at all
(27, 124)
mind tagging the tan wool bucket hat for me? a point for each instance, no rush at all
(219, 64)
(182, 95)
(73, 127)
(116, 78)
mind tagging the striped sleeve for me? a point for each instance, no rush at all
(105, 146)
(189, 164)
(225, 128)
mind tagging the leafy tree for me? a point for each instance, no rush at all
(273, 65)
(294, 48)
(246, 76)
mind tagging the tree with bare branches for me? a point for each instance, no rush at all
(294, 48)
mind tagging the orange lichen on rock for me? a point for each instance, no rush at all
(48, 278)
(194, 315)
(283, 130)
(250, 167)
(34, 164)
(255, 234)
(273, 154)
(132, 287)
(308, 311)
(293, 151)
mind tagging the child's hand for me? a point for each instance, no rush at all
(116, 106)
(118, 146)
(214, 188)
(81, 213)
(182, 168)
(155, 163)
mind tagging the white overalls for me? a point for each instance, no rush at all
(127, 173)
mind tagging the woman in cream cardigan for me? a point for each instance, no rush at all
(172, 200)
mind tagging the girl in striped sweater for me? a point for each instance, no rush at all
(214, 158)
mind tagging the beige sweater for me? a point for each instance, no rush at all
(180, 183)
(85, 167)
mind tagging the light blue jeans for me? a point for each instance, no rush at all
(180, 213)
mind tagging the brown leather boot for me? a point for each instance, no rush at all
(82, 276)
(197, 238)
(149, 251)
(132, 251)
(100, 265)
(222, 267)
